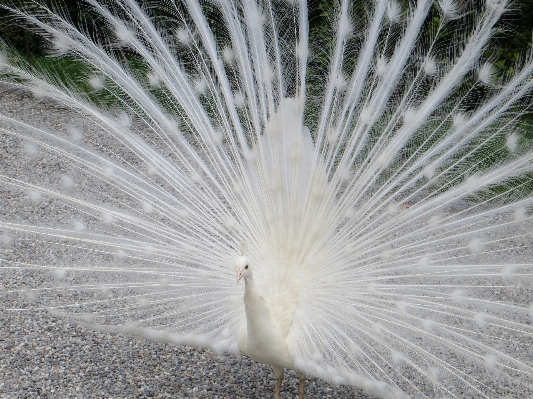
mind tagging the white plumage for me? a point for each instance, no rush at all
(265, 338)
(382, 181)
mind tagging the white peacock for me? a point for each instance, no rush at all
(379, 173)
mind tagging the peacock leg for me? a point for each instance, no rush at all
(302, 385)
(278, 373)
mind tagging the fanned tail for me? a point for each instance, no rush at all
(387, 215)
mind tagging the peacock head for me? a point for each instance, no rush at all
(243, 267)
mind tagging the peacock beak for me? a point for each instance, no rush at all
(239, 276)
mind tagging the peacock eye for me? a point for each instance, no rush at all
(246, 267)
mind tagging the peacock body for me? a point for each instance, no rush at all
(385, 199)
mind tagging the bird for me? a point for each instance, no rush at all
(368, 177)
(266, 333)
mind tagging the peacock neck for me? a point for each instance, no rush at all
(249, 283)
(254, 304)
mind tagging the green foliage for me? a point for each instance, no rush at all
(513, 37)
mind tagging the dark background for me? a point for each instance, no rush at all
(512, 40)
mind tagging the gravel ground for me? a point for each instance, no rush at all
(46, 357)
